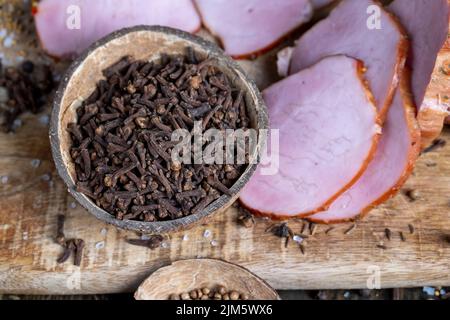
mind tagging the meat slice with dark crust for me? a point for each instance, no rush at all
(248, 27)
(352, 29)
(328, 131)
(394, 161)
(427, 24)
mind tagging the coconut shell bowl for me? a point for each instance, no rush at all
(188, 276)
(143, 43)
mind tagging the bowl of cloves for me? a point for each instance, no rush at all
(156, 130)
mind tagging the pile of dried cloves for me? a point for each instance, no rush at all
(22, 89)
(121, 141)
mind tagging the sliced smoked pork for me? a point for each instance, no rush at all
(328, 131)
(67, 27)
(397, 152)
(427, 25)
(247, 27)
(436, 104)
(352, 29)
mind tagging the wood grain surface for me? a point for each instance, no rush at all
(30, 203)
(33, 195)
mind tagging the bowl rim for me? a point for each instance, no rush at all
(156, 227)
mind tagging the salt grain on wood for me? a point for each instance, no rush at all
(297, 239)
(100, 245)
(17, 124)
(145, 237)
(207, 234)
(8, 41)
(44, 120)
(35, 163)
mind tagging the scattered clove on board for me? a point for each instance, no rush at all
(245, 218)
(70, 246)
(79, 246)
(446, 238)
(304, 224)
(312, 228)
(435, 145)
(282, 231)
(152, 242)
(388, 233)
(60, 237)
(302, 249)
(350, 229)
(412, 194)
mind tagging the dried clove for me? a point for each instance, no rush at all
(435, 145)
(152, 243)
(60, 238)
(387, 233)
(312, 228)
(79, 246)
(350, 229)
(70, 246)
(281, 230)
(245, 218)
(412, 194)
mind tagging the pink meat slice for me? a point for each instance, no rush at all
(327, 124)
(397, 152)
(427, 25)
(56, 20)
(247, 27)
(350, 30)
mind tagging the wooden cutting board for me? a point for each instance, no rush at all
(30, 203)
(32, 196)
